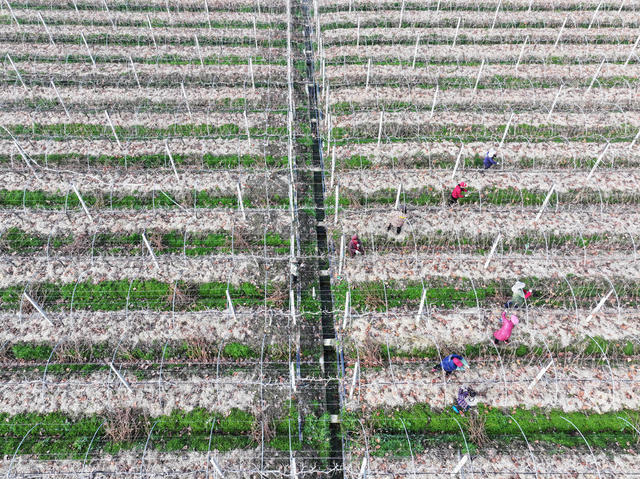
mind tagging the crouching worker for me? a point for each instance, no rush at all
(451, 363)
(490, 159)
(466, 398)
(457, 193)
(519, 296)
(504, 333)
(397, 219)
(355, 246)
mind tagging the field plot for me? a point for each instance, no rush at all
(179, 181)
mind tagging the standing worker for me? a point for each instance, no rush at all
(457, 192)
(490, 159)
(519, 296)
(397, 219)
(355, 246)
(451, 363)
(504, 333)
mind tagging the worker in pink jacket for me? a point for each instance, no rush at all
(504, 333)
(457, 193)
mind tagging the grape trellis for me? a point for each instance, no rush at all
(180, 182)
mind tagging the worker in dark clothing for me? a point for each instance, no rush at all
(490, 159)
(465, 395)
(355, 246)
(451, 363)
(457, 193)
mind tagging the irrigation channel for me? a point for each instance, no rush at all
(331, 354)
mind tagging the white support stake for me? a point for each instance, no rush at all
(398, 196)
(462, 462)
(135, 74)
(86, 45)
(455, 168)
(113, 130)
(455, 36)
(475, 87)
(635, 45)
(555, 100)
(544, 203)
(560, 32)
(356, 372)
(292, 306)
(341, 255)
(294, 469)
(380, 129)
(122, 379)
(153, 38)
(595, 13)
(173, 165)
(13, 65)
(415, 51)
(366, 87)
(363, 468)
(216, 468)
(598, 306)
(246, 126)
(253, 83)
(46, 29)
(421, 306)
(493, 250)
(206, 9)
(255, 32)
(230, 305)
(38, 308)
(595, 165)
(195, 36)
(524, 44)
(495, 17)
(186, 100)
(12, 14)
(540, 374)
(60, 99)
(435, 98)
(148, 246)
(401, 14)
(595, 75)
(635, 139)
(506, 130)
(82, 203)
(292, 375)
(335, 220)
(240, 202)
(333, 166)
(358, 34)
(346, 309)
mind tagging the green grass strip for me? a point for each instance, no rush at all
(154, 295)
(458, 292)
(207, 160)
(138, 131)
(425, 426)
(201, 199)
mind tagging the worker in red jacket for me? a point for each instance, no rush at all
(457, 192)
(355, 246)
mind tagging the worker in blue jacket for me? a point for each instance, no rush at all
(451, 363)
(490, 159)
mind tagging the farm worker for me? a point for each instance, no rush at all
(465, 396)
(451, 363)
(519, 296)
(456, 194)
(504, 333)
(355, 246)
(490, 159)
(397, 219)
